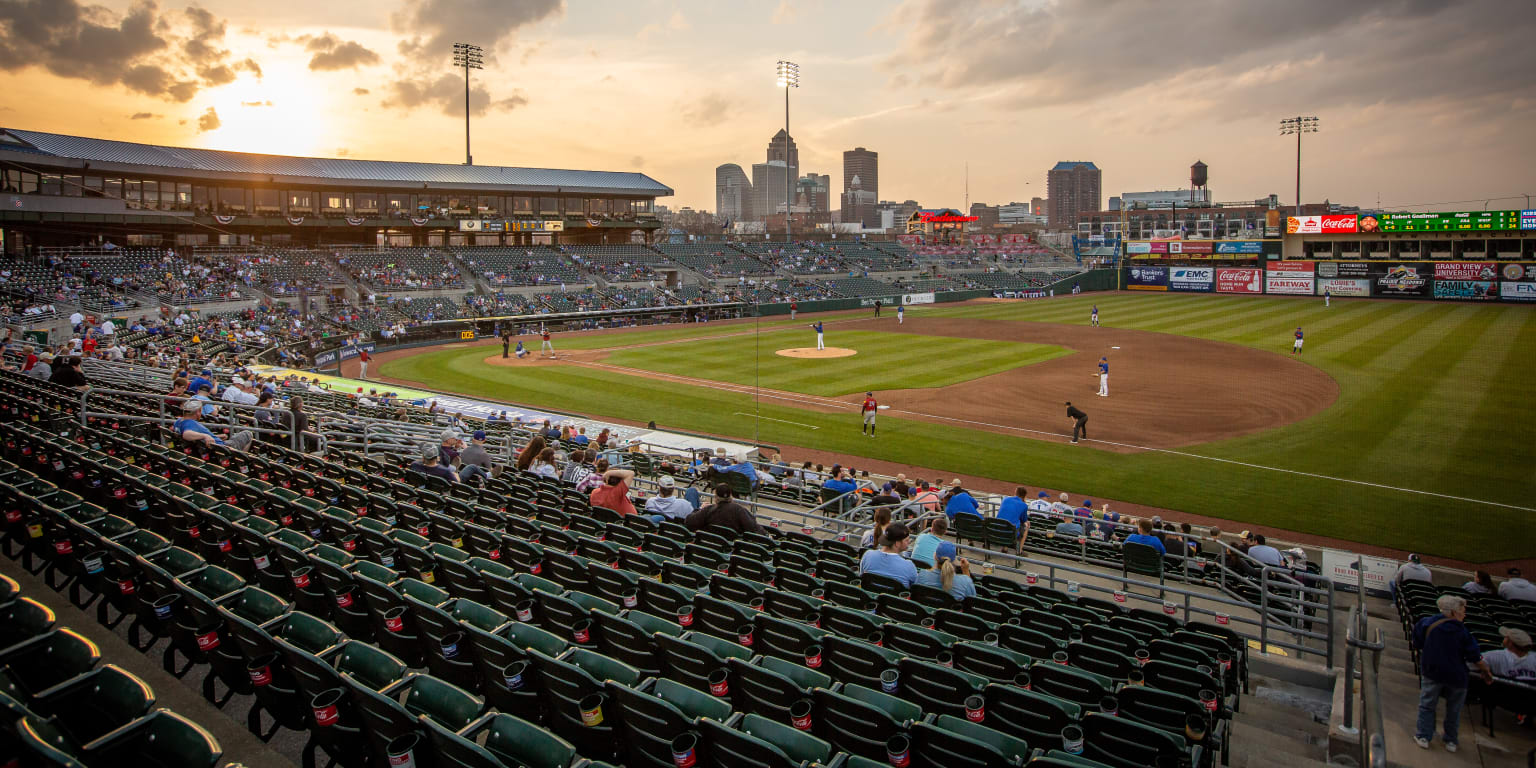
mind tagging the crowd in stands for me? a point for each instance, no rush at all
(403, 269)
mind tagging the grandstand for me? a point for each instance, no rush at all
(716, 260)
(399, 269)
(511, 267)
(617, 263)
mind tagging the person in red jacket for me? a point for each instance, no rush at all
(362, 363)
(870, 408)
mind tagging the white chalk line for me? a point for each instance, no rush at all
(781, 421)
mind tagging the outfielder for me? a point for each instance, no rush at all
(1095, 316)
(820, 338)
(1327, 296)
(1103, 377)
(1296, 348)
(870, 408)
(548, 345)
(901, 314)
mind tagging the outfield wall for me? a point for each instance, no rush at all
(1511, 281)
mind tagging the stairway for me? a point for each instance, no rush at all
(1280, 726)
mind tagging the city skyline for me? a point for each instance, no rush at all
(1011, 87)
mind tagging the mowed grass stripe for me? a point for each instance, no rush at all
(1361, 350)
(1499, 412)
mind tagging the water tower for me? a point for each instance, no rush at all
(1197, 179)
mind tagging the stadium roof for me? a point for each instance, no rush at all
(109, 155)
(1072, 165)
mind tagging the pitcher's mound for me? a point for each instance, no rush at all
(814, 352)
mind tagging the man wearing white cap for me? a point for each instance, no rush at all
(1514, 660)
(667, 503)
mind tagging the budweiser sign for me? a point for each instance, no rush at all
(1333, 224)
(947, 218)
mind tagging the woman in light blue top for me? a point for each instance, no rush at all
(958, 584)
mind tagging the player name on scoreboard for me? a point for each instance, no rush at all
(1458, 221)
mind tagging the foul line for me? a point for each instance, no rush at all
(770, 418)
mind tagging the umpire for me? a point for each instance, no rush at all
(1079, 421)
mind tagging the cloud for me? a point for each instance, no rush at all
(676, 23)
(343, 152)
(1311, 53)
(434, 26)
(332, 53)
(208, 121)
(708, 110)
(360, 91)
(145, 116)
(266, 103)
(446, 93)
(143, 50)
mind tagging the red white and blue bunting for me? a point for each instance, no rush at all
(224, 219)
(420, 222)
(355, 221)
(295, 220)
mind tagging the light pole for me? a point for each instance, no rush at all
(469, 57)
(789, 77)
(1298, 125)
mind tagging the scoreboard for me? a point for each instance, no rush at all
(1457, 221)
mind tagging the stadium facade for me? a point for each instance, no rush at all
(58, 190)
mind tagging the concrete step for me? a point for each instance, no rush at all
(1249, 738)
(1278, 718)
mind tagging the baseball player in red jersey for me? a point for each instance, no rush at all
(362, 363)
(871, 407)
(548, 345)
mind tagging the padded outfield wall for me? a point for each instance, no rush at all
(1510, 281)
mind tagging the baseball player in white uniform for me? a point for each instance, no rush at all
(820, 337)
(1095, 316)
(1103, 377)
(901, 314)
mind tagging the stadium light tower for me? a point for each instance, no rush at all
(469, 57)
(789, 77)
(1298, 125)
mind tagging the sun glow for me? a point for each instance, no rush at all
(283, 113)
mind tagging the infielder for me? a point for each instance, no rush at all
(1095, 316)
(901, 314)
(870, 408)
(1103, 377)
(548, 345)
(820, 338)
(1296, 348)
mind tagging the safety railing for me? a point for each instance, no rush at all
(1362, 658)
(227, 414)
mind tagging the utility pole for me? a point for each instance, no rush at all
(1298, 125)
(469, 57)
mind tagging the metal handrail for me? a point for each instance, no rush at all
(1373, 748)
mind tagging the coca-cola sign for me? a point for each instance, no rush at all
(1332, 224)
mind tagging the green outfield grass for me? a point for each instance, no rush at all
(919, 361)
(1433, 397)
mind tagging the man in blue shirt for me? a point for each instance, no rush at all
(887, 560)
(1014, 508)
(205, 379)
(190, 430)
(958, 501)
(1103, 377)
(1143, 535)
(820, 340)
(1445, 649)
(840, 484)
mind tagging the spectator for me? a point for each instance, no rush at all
(448, 450)
(1514, 660)
(1015, 508)
(1069, 527)
(544, 466)
(724, 512)
(1517, 588)
(192, 431)
(530, 452)
(840, 483)
(299, 420)
(67, 374)
(594, 478)
(1109, 526)
(953, 575)
(931, 545)
(475, 461)
(957, 501)
(1041, 505)
(1481, 584)
(1413, 570)
(666, 504)
(1445, 649)
(1064, 507)
(41, 366)
(431, 464)
(925, 498)
(1264, 553)
(1143, 535)
(887, 560)
(581, 438)
(882, 519)
(614, 492)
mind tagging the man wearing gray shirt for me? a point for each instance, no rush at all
(475, 461)
(666, 503)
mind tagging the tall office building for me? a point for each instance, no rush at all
(782, 148)
(1037, 206)
(861, 169)
(733, 194)
(814, 193)
(1073, 188)
(768, 189)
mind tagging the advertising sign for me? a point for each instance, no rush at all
(1455, 221)
(1518, 291)
(1339, 565)
(1518, 272)
(1343, 287)
(1190, 246)
(1239, 281)
(1466, 270)
(1528, 219)
(1241, 246)
(1191, 278)
(1136, 248)
(1470, 290)
(1295, 286)
(1293, 269)
(917, 298)
(1346, 268)
(1330, 224)
(1147, 279)
(1405, 279)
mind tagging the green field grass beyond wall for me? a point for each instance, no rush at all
(1433, 397)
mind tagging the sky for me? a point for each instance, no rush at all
(1424, 104)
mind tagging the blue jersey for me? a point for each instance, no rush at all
(1298, 334)
(1095, 309)
(817, 327)
(1104, 367)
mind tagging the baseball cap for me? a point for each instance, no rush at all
(955, 483)
(1414, 559)
(478, 435)
(1517, 636)
(869, 394)
(428, 451)
(450, 434)
(666, 481)
(1088, 503)
(191, 405)
(1043, 495)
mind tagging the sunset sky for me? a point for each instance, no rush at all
(1424, 102)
